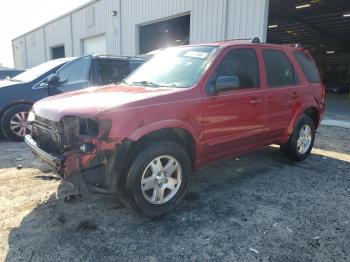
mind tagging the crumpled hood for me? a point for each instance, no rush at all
(94, 100)
(7, 83)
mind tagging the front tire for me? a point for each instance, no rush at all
(301, 141)
(14, 122)
(158, 179)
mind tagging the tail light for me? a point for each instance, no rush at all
(323, 93)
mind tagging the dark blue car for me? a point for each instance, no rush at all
(17, 95)
(54, 77)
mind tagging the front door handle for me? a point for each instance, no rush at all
(295, 94)
(255, 100)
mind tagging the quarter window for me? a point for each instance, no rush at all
(308, 66)
(242, 63)
(279, 69)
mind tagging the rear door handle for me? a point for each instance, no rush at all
(255, 100)
(295, 94)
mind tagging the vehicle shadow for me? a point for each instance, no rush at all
(257, 206)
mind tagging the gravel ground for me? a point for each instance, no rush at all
(258, 207)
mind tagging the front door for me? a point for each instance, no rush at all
(233, 118)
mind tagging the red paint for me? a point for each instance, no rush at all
(222, 125)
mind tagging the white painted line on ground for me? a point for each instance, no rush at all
(336, 123)
(331, 154)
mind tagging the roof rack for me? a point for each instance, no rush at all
(255, 40)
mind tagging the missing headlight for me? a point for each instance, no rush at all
(88, 127)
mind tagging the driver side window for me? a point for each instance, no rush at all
(76, 71)
(242, 63)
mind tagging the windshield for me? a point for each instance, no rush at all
(38, 70)
(173, 67)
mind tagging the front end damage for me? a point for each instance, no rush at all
(80, 151)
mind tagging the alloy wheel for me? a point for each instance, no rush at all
(19, 125)
(305, 139)
(161, 179)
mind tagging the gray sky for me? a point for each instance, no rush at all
(20, 16)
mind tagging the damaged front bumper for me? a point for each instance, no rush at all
(98, 171)
(73, 175)
(46, 157)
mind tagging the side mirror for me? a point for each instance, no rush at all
(226, 83)
(53, 80)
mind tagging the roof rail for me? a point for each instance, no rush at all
(255, 40)
(297, 45)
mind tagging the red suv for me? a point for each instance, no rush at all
(186, 107)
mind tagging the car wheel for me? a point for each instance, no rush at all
(14, 122)
(158, 179)
(301, 141)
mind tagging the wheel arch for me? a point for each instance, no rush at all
(130, 148)
(314, 113)
(22, 102)
(309, 110)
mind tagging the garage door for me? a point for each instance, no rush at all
(95, 45)
(171, 32)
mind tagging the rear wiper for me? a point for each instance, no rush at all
(145, 83)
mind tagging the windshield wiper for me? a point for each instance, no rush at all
(144, 83)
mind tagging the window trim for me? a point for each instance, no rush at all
(296, 78)
(222, 57)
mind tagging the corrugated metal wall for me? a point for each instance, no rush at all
(35, 47)
(58, 33)
(19, 52)
(211, 20)
(207, 18)
(93, 20)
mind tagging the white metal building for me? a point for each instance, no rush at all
(130, 27)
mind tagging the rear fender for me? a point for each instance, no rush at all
(297, 115)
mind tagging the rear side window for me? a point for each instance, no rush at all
(110, 71)
(308, 66)
(279, 69)
(135, 64)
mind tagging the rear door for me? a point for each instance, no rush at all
(234, 118)
(283, 90)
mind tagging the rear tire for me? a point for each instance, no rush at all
(301, 141)
(14, 122)
(158, 179)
